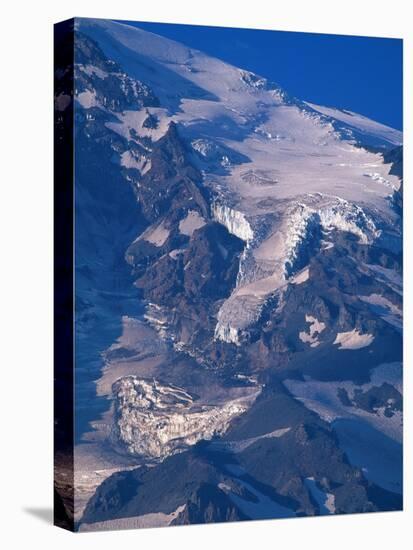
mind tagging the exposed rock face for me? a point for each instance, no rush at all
(104, 83)
(384, 398)
(192, 485)
(206, 267)
(395, 158)
(309, 448)
(190, 277)
(172, 181)
(209, 504)
(154, 420)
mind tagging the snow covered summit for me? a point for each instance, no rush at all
(283, 173)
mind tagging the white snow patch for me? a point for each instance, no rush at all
(380, 179)
(191, 222)
(176, 252)
(330, 503)
(92, 70)
(344, 216)
(128, 160)
(133, 120)
(154, 234)
(315, 328)
(87, 99)
(353, 340)
(301, 277)
(326, 245)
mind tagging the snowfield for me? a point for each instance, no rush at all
(191, 222)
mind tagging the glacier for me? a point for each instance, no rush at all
(280, 171)
(155, 420)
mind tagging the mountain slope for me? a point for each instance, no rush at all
(259, 238)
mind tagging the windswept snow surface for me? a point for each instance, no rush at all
(278, 168)
(361, 125)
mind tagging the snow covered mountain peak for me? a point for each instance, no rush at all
(239, 291)
(279, 170)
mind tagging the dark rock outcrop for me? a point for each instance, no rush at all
(172, 182)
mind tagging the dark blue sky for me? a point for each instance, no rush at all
(356, 73)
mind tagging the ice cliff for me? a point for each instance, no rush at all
(234, 220)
